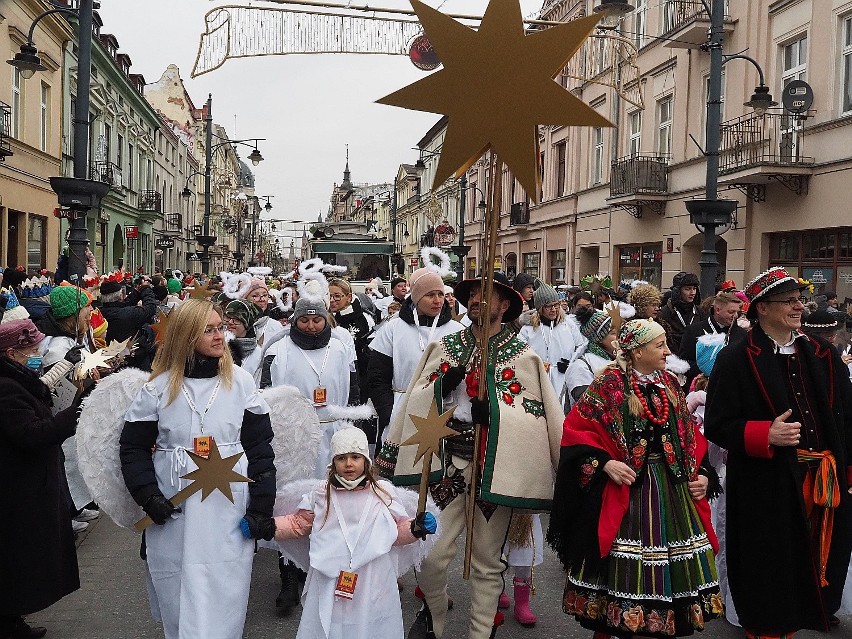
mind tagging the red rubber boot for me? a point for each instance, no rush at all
(522, 612)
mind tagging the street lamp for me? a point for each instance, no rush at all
(205, 239)
(711, 213)
(77, 193)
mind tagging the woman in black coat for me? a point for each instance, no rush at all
(38, 565)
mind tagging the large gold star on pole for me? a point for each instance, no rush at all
(213, 473)
(496, 87)
(430, 431)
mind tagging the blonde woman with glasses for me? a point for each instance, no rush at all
(198, 557)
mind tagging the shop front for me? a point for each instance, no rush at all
(823, 256)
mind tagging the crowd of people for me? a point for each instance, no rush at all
(693, 452)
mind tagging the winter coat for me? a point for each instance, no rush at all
(38, 565)
(676, 318)
(770, 566)
(126, 320)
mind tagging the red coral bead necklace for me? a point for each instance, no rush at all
(662, 419)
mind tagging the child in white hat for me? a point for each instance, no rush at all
(356, 525)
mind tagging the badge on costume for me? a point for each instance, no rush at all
(201, 445)
(345, 587)
(320, 397)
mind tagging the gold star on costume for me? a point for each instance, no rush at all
(200, 293)
(496, 87)
(213, 473)
(430, 431)
(116, 348)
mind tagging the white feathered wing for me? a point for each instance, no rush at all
(98, 431)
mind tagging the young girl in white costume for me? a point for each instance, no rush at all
(355, 527)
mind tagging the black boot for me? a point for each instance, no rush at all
(20, 629)
(288, 598)
(422, 626)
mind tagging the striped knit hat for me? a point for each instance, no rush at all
(594, 324)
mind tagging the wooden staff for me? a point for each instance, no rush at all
(492, 224)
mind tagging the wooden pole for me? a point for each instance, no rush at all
(492, 225)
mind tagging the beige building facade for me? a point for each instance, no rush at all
(613, 200)
(31, 137)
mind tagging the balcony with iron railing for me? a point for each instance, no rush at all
(108, 172)
(5, 131)
(757, 149)
(639, 181)
(685, 23)
(519, 214)
(151, 201)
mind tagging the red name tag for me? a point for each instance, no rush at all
(345, 587)
(319, 397)
(201, 445)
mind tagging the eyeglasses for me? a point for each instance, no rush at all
(259, 296)
(215, 329)
(551, 307)
(789, 302)
(337, 297)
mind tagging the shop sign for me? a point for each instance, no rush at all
(131, 232)
(164, 242)
(414, 261)
(445, 235)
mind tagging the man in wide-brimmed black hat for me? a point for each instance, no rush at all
(521, 426)
(780, 402)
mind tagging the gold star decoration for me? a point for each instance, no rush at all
(213, 473)
(496, 86)
(160, 327)
(201, 293)
(115, 348)
(430, 431)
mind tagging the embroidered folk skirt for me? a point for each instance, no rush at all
(659, 579)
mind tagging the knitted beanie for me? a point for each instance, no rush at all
(422, 281)
(14, 310)
(245, 311)
(66, 300)
(594, 324)
(521, 281)
(256, 283)
(644, 295)
(173, 285)
(544, 295)
(309, 307)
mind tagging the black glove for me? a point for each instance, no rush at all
(256, 526)
(451, 379)
(479, 411)
(562, 365)
(424, 524)
(74, 355)
(160, 509)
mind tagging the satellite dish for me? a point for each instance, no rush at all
(798, 96)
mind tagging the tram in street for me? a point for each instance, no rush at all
(351, 244)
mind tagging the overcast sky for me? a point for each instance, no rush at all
(308, 107)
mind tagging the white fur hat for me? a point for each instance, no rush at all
(349, 440)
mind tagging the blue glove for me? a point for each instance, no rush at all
(424, 524)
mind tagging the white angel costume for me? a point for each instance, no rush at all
(307, 370)
(198, 563)
(554, 343)
(362, 531)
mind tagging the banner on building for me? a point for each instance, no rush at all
(131, 232)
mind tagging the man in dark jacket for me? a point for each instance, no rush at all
(723, 319)
(780, 402)
(681, 309)
(124, 320)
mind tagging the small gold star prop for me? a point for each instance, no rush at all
(496, 86)
(201, 293)
(160, 327)
(430, 431)
(213, 473)
(116, 348)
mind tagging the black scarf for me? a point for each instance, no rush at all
(353, 320)
(201, 367)
(310, 342)
(26, 377)
(406, 314)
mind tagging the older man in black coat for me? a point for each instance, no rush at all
(125, 320)
(780, 402)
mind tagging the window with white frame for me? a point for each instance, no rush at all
(634, 143)
(17, 104)
(794, 60)
(664, 127)
(846, 66)
(44, 117)
(640, 23)
(597, 155)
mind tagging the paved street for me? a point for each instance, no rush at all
(113, 604)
